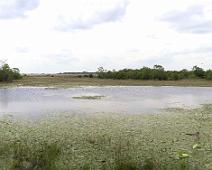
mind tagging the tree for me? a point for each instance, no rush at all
(184, 74)
(101, 72)
(156, 73)
(209, 75)
(159, 73)
(158, 67)
(8, 74)
(198, 72)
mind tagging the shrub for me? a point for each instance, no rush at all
(209, 75)
(156, 73)
(7, 74)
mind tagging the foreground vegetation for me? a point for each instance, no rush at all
(175, 139)
(70, 81)
(156, 73)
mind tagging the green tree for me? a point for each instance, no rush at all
(159, 73)
(101, 72)
(8, 74)
(198, 72)
(156, 73)
(209, 75)
(158, 67)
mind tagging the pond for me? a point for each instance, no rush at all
(37, 102)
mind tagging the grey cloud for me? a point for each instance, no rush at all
(178, 59)
(63, 57)
(22, 49)
(61, 61)
(191, 20)
(152, 36)
(10, 9)
(200, 50)
(112, 15)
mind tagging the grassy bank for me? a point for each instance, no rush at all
(110, 142)
(68, 81)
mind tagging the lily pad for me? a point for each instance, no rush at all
(88, 97)
(196, 146)
(182, 155)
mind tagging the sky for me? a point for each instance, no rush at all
(50, 36)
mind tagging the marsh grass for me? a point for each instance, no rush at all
(109, 142)
(28, 158)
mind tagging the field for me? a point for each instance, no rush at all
(174, 139)
(70, 81)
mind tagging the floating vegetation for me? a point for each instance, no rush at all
(182, 154)
(89, 97)
(108, 142)
(196, 146)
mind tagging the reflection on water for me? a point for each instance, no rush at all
(4, 98)
(36, 102)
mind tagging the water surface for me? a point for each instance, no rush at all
(37, 102)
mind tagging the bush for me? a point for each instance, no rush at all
(90, 75)
(7, 74)
(156, 73)
(209, 75)
(198, 72)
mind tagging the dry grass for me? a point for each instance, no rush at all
(70, 81)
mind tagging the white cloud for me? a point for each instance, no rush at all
(93, 17)
(112, 33)
(192, 20)
(16, 8)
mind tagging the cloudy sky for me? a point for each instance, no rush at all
(76, 35)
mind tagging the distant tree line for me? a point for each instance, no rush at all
(156, 73)
(8, 74)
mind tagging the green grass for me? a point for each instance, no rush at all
(109, 142)
(68, 81)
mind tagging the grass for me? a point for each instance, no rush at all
(70, 81)
(109, 142)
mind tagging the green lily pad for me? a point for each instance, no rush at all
(196, 146)
(182, 155)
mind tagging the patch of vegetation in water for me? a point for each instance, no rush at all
(109, 142)
(89, 97)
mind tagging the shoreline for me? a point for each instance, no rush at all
(70, 81)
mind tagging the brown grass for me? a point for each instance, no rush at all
(70, 81)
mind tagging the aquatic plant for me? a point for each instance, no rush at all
(88, 97)
(108, 142)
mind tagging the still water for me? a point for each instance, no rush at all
(34, 102)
